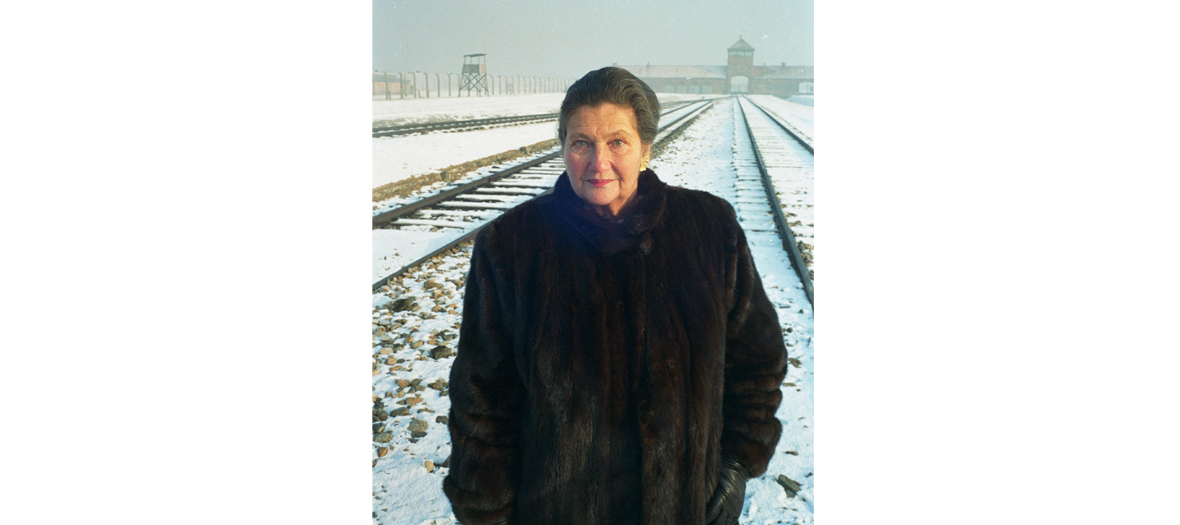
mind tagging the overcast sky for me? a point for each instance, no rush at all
(549, 38)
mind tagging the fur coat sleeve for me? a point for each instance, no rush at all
(485, 416)
(755, 365)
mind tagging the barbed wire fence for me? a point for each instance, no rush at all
(394, 85)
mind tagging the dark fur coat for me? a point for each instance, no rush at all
(605, 367)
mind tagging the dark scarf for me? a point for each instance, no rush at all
(631, 228)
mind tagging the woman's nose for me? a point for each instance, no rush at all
(601, 160)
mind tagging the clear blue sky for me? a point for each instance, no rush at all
(546, 38)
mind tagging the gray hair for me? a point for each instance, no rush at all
(616, 86)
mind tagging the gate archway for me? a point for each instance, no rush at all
(739, 84)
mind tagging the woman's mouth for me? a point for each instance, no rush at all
(598, 183)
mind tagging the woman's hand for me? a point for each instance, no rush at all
(725, 506)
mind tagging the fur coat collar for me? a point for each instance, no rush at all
(633, 226)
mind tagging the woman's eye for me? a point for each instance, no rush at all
(618, 143)
(579, 143)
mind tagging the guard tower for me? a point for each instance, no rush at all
(475, 74)
(740, 67)
(741, 58)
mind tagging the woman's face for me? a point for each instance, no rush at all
(602, 155)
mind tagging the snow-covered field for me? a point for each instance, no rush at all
(400, 157)
(411, 111)
(416, 323)
(397, 112)
(806, 100)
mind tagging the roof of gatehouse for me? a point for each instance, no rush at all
(740, 44)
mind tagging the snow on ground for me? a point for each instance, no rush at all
(401, 157)
(798, 115)
(398, 112)
(790, 168)
(393, 249)
(806, 100)
(416, 327)
(456, 180)
(412, 111)
(416, 319)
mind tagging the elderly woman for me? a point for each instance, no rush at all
(619, 361)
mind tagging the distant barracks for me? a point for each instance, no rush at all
(739, 76)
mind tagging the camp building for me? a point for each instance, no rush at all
(739, 75)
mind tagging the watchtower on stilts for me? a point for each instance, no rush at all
(475, 74)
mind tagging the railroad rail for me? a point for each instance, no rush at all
(469, 125)
(790, 164)
(477, 202)
(802, 138)
(461, 125)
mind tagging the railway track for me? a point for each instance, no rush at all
(800, 136)
(462, 125)
(463, 210)
(783, 159)
(469, 125)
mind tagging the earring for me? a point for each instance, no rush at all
(643, 165)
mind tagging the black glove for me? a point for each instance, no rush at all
(725, 506)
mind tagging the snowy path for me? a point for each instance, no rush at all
(416, 319)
